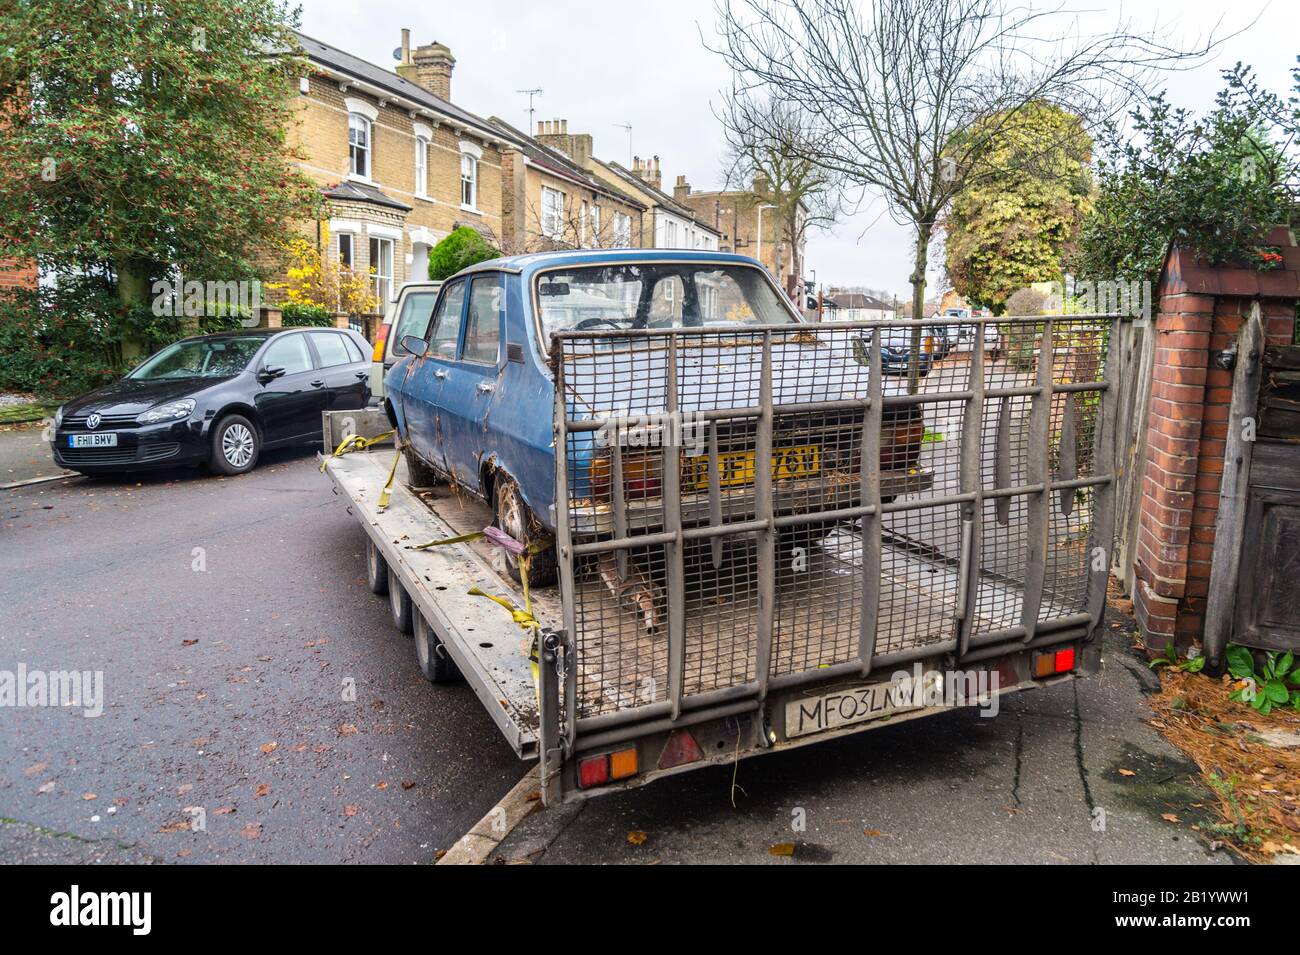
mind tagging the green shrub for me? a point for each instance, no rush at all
(463, 248)
(297, 314)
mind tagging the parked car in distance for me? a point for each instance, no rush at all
(407, 315)
(474, 400)
(896, 350)
(218, 399)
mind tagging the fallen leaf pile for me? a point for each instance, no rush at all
(1257, 785)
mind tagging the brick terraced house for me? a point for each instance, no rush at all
(399, 165)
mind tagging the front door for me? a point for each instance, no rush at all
(422, 390)
(471, 382)
(290, 406)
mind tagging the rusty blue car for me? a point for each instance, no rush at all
(474, 400)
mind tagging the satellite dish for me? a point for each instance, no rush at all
(397, 54)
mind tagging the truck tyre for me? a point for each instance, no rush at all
(418, 474)
(516, 519)
(435, 663)
(399, 605)
(376, 569)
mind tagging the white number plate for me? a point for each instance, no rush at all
(107, 439)
(845, 706)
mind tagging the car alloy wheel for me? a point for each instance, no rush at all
(237, 446)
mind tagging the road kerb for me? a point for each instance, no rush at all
(475, 846)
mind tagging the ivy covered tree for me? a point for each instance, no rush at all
(1016, 223)
(142, 139)
(1212, 184)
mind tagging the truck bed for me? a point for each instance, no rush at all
(720, 645)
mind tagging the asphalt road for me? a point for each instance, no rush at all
(228, 615)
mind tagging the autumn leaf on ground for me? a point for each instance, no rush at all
(1127, 772)
(33, 770)
(1169, 817)
(181, 825)
(188, 643)
(381, 785)
(781, 849)
(224, 810)
(183, 788)
(350, 811)
(251, 831)
(89, 796)
(408, 783)
(636, 837)
(871, 832)
(262, 789)
(45, 788)
(269, 747)
(347, 729)
(298, 748)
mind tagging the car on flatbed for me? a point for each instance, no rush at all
(472, 401)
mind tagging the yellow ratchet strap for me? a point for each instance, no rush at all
(355, 442)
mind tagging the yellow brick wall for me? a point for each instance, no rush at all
(523, 210)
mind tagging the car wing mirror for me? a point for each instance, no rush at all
(270, 373)
(415, 345)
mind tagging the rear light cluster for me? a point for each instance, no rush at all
(381, 337)
(640, 476)
(680, 750)
(1052, 662)
(900, 444)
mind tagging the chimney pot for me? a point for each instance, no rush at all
(406, 46)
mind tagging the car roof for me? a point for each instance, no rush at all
(533, 262)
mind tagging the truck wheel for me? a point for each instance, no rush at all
(399, 605)
(516, 519)
(418, 474)
(435, 663)
(376, 569)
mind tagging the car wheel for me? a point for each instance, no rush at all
(376, 569)
(399, 605)
(435, 663)
(235, 445)
(418, 474)
(517, 519)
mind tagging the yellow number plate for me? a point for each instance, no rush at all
(736, 468)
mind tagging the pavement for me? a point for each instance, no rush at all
(25, 455)
(259, 707)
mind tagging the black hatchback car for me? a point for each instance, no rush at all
(219, 399)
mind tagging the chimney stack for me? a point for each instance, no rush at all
(648, 169)
(682, 189)
(429, 66)
(556, 135)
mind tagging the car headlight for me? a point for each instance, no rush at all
(168, 412)
(58, 416)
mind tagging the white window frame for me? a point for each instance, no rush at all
(470, 154)
(351, 238)
(552, 213)
(421, 167)
(381, 282)
(622, 230)
(595, 224)
(357, 123)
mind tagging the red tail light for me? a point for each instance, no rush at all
(596, 770)
(900, 444)
(1052, 662)
(641, 477)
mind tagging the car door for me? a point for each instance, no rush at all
(289, 405)
(344, 369)
(471, 381)
(421, 390)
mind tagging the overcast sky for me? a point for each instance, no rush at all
(613, 62)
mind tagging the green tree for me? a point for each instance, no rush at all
(146, 138)
(1016, 223)
(1212, 184)
(461, 249)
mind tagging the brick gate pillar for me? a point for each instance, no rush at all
(1201, 313)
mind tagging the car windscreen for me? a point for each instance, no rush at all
(201, 358)
(659, 295)
(414, 320)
